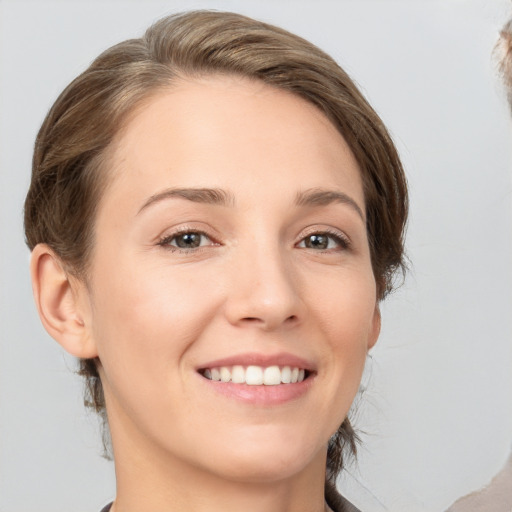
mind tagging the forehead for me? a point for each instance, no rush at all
(219, 131)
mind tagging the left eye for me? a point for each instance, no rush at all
(187, 240)
(322, 241)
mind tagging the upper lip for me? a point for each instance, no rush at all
(264, 360)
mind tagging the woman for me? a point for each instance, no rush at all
(215, 213)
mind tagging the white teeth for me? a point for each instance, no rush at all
(272, 376)
(225, 374)
(286, 375)
(256, 375)
(238, 374)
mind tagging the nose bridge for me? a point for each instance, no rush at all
(263, 288)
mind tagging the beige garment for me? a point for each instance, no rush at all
(495, 497)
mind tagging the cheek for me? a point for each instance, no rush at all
(145, 328)
(345, 305)
(145, 322)
(346, 314)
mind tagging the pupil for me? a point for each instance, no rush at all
(317, 242)
(188, 240)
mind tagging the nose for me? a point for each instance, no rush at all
(263, 291)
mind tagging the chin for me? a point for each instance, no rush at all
(259, 471)
(264, 459)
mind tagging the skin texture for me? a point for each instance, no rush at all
(154, 313)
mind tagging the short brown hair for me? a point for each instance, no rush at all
(67, 174)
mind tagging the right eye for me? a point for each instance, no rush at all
(186, 240)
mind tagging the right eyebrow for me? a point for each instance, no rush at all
(197, 195)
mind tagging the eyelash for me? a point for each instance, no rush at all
(341, 240)
(165, 242)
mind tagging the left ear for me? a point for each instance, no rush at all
(373, 335)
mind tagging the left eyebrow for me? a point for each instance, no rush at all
(323, 197)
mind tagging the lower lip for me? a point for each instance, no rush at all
(261, 395)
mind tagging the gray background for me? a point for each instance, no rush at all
(437, 410)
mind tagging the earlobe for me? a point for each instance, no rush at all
(61, 303)
(375, 328)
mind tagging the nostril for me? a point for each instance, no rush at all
(269, 323)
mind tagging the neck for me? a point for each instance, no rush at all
(150, 480)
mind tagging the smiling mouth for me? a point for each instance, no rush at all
(256, 375)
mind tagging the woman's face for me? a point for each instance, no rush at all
(230, 242)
